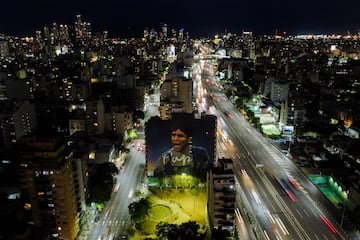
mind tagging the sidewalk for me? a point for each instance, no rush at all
(85, 223)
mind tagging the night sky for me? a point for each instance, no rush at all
(124, 18)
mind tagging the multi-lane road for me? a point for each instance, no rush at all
(112, 223)
(265, 210)
(114, 219)
(270, 210)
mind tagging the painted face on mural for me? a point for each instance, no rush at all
(180, 141)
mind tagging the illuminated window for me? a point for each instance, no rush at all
(27, 206)
(92, 155)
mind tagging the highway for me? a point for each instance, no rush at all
(268, 210)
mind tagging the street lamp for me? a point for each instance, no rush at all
(343, 215)
(344, 207)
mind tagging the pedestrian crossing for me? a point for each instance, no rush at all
(275, 156)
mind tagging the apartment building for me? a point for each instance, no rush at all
(221, 195)
(176, 95)
(53, 180)
(17, 119)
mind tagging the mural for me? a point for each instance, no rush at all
(181, 146)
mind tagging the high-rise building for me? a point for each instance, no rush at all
(55, 32)
(292, 113)
(181, 34)
(146, 33)
(4, 47)
(176, 95)
(171, 53)
(64, 33)
(53, 180)
(16, 120)
(279, 91)
(164, 29)
(118, 121)
(221, 195)
(296, 110)
(38, 37)
(82, 29)
(46, 33)
(95, 110)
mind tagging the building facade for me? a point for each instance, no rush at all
(176, 95)
(53, 181)
(16, 120)
(221, 195)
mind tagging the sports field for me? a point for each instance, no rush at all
(331, 192)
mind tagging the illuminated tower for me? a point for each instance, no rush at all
(4, 47)
(171, 52)
(46, 33)
(181, 34)
(146, 33)
(164, 30)
(82, 29)
(78, 27)
(64, 33)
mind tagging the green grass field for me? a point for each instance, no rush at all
(173, 206)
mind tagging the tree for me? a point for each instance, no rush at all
(167, 231)
(107, 170)
(101, 182)
(161, 230)
(131, 134)
(219, 234)
(256, 121)
(250, 113)
(138, 210)
(98, 192)
(138, 114)
(151, 91)
(173, 232)
(190, 230)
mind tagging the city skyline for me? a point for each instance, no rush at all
(86, 119)
(200, 18)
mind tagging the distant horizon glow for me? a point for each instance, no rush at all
(128, 19)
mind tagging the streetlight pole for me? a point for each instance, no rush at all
(344, 207)
(343, 215)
